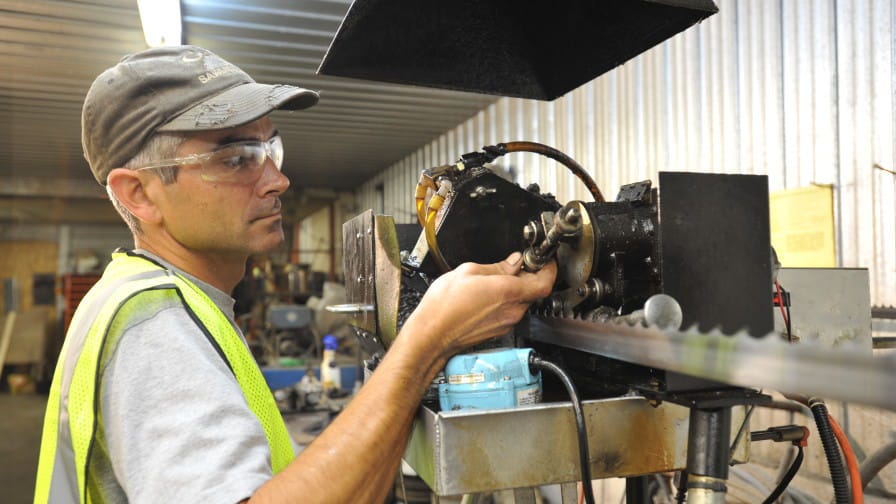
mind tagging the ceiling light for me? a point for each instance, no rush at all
(161, 22)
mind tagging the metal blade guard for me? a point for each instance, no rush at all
(502, 47)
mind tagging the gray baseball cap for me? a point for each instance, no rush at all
(182, 88)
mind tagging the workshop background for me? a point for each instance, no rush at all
(801, 91)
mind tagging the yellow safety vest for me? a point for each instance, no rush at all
(72, 405)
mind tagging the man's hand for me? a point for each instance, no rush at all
(355, 459)
(475, 302)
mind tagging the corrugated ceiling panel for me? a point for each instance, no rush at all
(51, 50)
(800, 91)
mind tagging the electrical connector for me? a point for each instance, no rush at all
(796, 434)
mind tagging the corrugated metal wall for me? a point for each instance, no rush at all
(802, 91)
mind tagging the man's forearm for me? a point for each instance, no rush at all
(357, 457)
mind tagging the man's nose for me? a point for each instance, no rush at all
(273, 179)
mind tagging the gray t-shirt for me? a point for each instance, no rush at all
(174, 425)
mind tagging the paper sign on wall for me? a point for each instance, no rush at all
(802, 226)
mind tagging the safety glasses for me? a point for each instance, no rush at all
(240, 162)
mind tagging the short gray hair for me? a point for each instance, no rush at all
(159, 146)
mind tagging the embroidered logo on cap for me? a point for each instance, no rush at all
(214, 73)
(191, 56)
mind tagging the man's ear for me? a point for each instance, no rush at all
(129, 188)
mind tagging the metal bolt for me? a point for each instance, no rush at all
(481, 191)
(572, 216)
(530, 232)
(595, 288)
(655, 384)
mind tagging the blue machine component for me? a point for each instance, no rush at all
(492, 379)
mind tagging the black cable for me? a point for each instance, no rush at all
(584, 459)
(682, 493)
(556, 155)
(831, 451)
(491, 152)
(788, 476)
(789, 322)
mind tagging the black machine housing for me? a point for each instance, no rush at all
(701, 238)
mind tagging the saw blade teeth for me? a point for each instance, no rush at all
(617, 321)
(848, 373)
(716, 331)
(692, 329)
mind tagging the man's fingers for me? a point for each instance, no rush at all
(513, 263)
(543, 281)
(509, 266)
(527, 287)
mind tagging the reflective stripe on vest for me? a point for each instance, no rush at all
(75, 389)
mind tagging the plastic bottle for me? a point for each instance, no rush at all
(329, 373)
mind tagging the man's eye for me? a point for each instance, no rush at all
(237, 162)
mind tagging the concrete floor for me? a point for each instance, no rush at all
(21, 420)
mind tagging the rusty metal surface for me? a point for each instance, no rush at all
(387, 268)
(358, 264)
(477, 451)
(576, 260)
(372, 276)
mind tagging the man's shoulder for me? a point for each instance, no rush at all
(162, 304)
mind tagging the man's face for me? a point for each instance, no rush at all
(225, 217)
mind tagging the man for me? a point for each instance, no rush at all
(155, 397)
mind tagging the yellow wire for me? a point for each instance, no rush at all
(424, 185)
(420, 200)
(435, 203)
